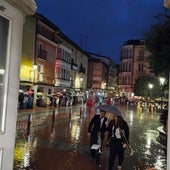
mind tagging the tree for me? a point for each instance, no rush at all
(158, 44)
(141, 87)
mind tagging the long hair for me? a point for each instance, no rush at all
(119, 122)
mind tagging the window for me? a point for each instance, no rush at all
(4, 28)
(141, 55)
(41, 72)
(128, 80)
(140, 68)
(125, 80)
(59, 53)
(129, 67)
(130, 53)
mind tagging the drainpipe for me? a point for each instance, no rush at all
(168, 141)
(35, 64)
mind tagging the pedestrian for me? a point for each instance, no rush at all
(96, 131)
(90, 102)
(139, 108)
(100, 100)
(103, 126)
(57, 101)
(30, 101)
(109, 100)
(116, 141)
(25, 102)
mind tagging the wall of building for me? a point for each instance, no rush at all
(27, 58)
(15, 14)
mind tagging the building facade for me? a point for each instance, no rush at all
(12, 17)
(133, 63)
(51, 64)
(101, 74)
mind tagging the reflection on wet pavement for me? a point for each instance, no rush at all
(57, 140)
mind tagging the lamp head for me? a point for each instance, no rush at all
(34, 66)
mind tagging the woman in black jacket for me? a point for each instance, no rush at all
(116, 142)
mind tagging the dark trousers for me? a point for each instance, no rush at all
(116, 149)
(95, 154)
(102, 139)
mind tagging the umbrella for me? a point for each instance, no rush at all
(110, 109)
(162, 99)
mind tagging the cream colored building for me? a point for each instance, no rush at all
(78, 64)
(133, 63)
(12, 17)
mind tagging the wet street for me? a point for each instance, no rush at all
(56, 139)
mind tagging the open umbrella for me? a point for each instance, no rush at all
(159, 99)
(110, 109)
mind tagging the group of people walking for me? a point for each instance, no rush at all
(100, 127)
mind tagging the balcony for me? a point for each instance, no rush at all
(74, 66)
(62, 82)
(49, 35)
(82, 70)
(141, 72)
(42, 54)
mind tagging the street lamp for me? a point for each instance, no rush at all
(162, 82)
(35, 66)
(32, 73)
(150, 87)
(33, 79)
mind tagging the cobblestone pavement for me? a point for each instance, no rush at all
(56, 139)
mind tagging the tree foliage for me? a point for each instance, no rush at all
(141, 87)
(158, 44)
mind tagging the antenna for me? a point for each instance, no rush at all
(83, 42)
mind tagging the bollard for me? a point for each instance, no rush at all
(53, 116)
(28, 125)
(53, 120)
(29, 120)
(84, 111)
(70, 112)
(81, 110)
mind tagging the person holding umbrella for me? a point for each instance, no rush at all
(118, 138)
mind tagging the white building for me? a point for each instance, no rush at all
(12, 16)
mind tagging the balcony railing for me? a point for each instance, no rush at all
(59, 58)
(74, 66)
(42, 54)
(82, 70)
(48, 35)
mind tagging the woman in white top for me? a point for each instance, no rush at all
(117, 144)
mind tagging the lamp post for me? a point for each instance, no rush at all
(162, 82)
(81, 82)
(34, 69)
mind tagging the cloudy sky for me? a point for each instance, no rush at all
(102, 26)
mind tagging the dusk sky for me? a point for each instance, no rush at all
(102, 26)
